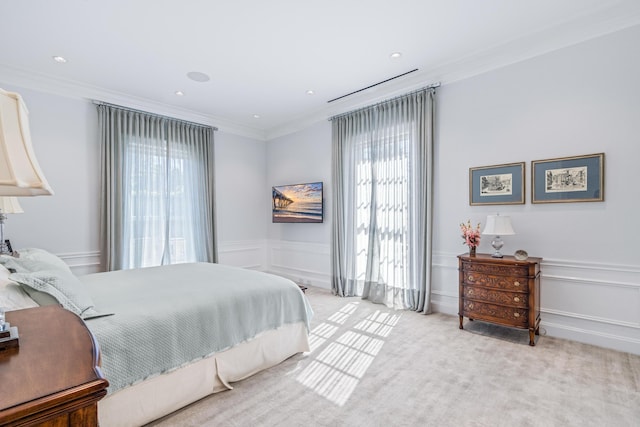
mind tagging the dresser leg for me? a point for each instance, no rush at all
(531, 337)
(461, 322)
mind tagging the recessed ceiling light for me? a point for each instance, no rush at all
(395, 55)
(310, 92)
(197, 76)
(60, 59)
(179, 93)
(256, 116)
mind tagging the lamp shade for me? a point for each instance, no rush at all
(10, 205)
(20, 174)
(498, 226)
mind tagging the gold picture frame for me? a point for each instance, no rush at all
(497, 185)
(568, 179)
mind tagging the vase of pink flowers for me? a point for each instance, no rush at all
(470, 236)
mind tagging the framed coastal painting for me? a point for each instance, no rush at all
(568, 179)
(497, 185)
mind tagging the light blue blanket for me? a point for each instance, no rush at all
(165, 317)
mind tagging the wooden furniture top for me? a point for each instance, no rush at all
(507, 259)
(56, 362)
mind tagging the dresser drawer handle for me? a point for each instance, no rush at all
(470, 278)
(516, 299)
(470, 306)
(470, 292)
(516, 284)
(516, 314)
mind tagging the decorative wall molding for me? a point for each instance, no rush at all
(82, 262)
(626, 343)
(243, 253)
(590, 302)
(594, 303)
(595, 319)
(77, 90)
(305, 263)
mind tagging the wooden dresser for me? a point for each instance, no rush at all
(504, 291)
(53, 378)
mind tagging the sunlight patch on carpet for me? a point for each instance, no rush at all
(335, 372)
(321, 333)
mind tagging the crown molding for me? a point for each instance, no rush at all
(77, 90)
(495, 57)
(606, 20)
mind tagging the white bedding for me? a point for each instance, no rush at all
(167, 390)
(159, 396)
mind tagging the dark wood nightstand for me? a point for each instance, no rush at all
(504, 291)
(53, 378)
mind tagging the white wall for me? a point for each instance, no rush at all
(64, 136)
(241, 200)
(64, 133)
(301, 251)
(579, 100)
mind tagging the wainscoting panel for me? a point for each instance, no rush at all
(444, 283)
(82, 263)
(306, 263)
(593, 303)
(246, 253)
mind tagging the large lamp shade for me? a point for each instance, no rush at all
(20, 174)
(498, 226)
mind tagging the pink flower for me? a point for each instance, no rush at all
(470, 235)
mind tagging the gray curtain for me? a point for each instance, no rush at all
(157, 198)
(382, 172)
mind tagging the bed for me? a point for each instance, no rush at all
(168, 335)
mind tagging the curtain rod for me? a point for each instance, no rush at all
(121, 107)
(432, 86)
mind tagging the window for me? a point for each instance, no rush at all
(158, 192)
(382, 177)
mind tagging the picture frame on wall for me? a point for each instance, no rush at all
(497, 184)
(568, 179)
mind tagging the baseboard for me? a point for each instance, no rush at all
(593, 303)
(82, 263)
(305, 263)
(624, 343)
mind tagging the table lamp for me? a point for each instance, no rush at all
(498, 226)
(20, 174)
(8, 205)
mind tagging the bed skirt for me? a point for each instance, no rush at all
(161, 395)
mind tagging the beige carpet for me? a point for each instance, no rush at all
(371, 366)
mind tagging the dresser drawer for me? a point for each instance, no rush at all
(513, 316)
(494, 269)
(516, 299)
(504, 291)
(509, 283)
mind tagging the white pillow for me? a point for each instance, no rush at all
(13, 297)
(4, 276)
(56, 285)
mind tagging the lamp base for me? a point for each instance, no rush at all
(497, 244)
(9, 337)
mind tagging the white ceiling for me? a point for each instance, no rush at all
(262, 56)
